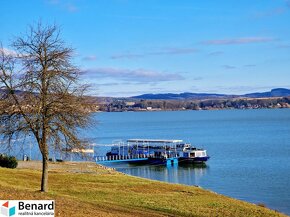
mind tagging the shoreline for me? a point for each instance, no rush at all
(113, 182)
(186, 110)
(129, 104)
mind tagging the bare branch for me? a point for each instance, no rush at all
(40, 93)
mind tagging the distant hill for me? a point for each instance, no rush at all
(180, 96)
(278, 92)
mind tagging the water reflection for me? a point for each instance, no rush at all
(189, 174)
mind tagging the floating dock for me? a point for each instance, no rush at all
(153, 151)
(136, 159)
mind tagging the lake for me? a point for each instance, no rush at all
(249, 149)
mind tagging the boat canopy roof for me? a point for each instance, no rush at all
(155, 140)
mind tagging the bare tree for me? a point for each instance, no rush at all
(41, 94)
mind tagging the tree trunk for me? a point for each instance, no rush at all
(44, 179)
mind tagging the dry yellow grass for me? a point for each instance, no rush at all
(83, 189)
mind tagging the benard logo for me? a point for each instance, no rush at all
(6, 210)
(27, 208)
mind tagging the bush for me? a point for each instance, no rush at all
(8, 161)
(261, 205)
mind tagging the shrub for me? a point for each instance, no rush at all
(8, 161)
(261, 205)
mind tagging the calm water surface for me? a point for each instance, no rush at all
(249, 149)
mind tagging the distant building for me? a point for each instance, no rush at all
(130, 103)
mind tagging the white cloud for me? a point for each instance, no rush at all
(164, 51)
(90, 58)
(137, 75)
(63, 4)
(7, 51)
(228, 67)
(233, 41)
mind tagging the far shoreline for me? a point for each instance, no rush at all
(186, 110)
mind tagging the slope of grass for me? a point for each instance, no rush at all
(88, 190)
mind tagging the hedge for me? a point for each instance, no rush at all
(8, 161)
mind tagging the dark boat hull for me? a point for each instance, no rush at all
(163, 161)
(193, 160)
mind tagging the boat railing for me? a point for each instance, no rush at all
(122, 157)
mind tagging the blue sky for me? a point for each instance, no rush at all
(130, 47)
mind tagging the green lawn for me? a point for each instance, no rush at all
(99, 192)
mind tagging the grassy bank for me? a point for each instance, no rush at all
(88, 190)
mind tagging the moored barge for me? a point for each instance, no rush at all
(156, 151)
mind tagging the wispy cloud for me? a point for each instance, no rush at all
(54, 2)
(237, 41)
(138, 17)
(127, 56)
(138, 75)
(270, 13)
(282, 9)
(197, 78)
(229, 67)
(71, 8)
(216, 53)
(89, 58)
(284, 46)
(174, 51)
(164, 51)
(108, 84)
(7, 51)
(250, 65)
(66, 5)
